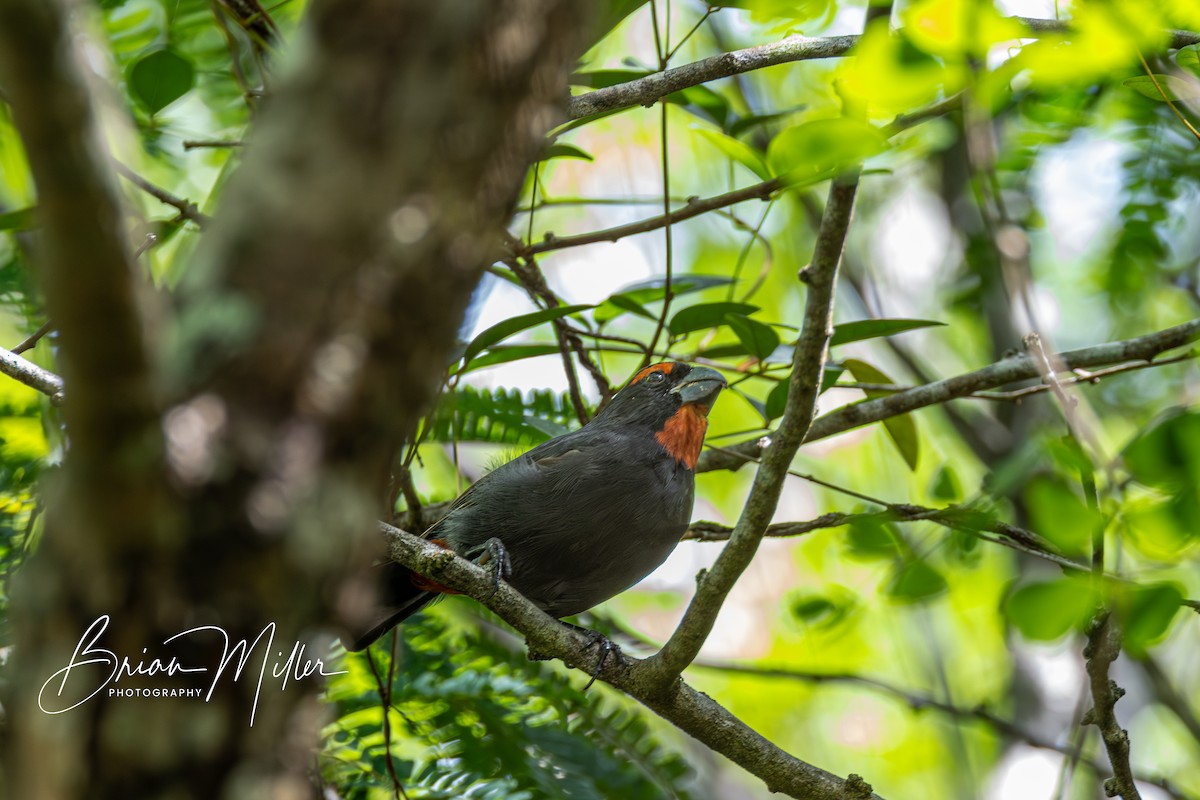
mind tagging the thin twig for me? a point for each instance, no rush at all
(196, 144)
(1014, 368)
(1170, 103)
(695, 206)
(811, 350)
(650, 89)
(918, 702)
(186, 208)
(34, 338)
(668, 240)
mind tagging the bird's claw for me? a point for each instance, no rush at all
(596, 639)
(495, 555)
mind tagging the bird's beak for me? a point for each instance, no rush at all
(701, 387)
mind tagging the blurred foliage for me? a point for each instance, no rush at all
(489, 723)
(1063, 137)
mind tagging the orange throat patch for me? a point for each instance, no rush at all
(683, 434)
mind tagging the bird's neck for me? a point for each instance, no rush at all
(683, 435)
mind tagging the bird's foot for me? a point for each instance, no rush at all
(598, 640)
(495, 556)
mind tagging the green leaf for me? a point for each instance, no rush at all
(916, 582)
(945, 486)
(503, 354)
(1174, 88)
(702, 102)
(1147, 614)
(739, 151)
(777, 398)
(824, 145)
(1189, 58)
(870, 538)
(901, 429)
(500, 416)
(514, 325)
(1059, 513)
(560, 150)
(623, 302)
(1047, 610)
(824, 611)
(705, 315)
(759, 339)
(603, 78)
(160, 78)
(1167, 456)
(750, 121)
(874, 328)
(23, 219)
(641, 294)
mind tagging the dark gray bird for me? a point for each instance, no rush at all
(584, 516)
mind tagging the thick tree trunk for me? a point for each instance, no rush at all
(310, 333)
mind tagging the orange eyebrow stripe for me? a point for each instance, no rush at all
(665, 368)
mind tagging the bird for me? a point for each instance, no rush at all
(584, 516)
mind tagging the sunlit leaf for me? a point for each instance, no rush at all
(641, 294)
(1059, 513)
(737, 150)
(1174, 88)
(823, 145)
(1045, 611)
(514, 325)
(561, 150)
(887, 74)
(874, 328)
(705, 315)
(1189, 58)
(901, 429)
(956, 29)
(504, 354)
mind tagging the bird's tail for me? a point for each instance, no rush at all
(401, 599)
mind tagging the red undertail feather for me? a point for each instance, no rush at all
(429, 584)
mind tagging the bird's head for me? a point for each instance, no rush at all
(673, 399)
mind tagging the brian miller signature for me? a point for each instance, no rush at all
(89, 654)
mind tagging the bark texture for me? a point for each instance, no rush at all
(229, 474)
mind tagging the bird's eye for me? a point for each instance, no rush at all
(655, 377)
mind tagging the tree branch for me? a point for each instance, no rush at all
(693, 712)
(1017, 367)
(648, 90)
(1103, 647)
(696, 206)
(693, 208)
(807, 365)
(30, 374)
(918, 702)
